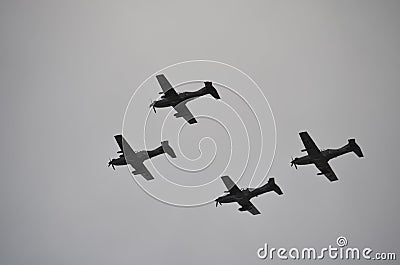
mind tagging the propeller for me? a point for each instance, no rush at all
(152, 105)
(293, 163)
(217, 202)
(111, 164)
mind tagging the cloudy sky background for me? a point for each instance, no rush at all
(69, 68)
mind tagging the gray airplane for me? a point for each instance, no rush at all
(136, 159)
(171, 98)
(243, 196)
(321, 157)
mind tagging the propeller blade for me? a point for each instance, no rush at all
(152, 105)
(111, 164)
(293, 163)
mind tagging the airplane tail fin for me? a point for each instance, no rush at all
(211, 90)
(355, 148)
(275, 187)
(168, 149)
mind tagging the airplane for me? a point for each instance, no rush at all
(321, 157)
(243, 196)
(136, 159)
(170, 98)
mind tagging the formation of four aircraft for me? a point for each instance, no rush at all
(170, 98)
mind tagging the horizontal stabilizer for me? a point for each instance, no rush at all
(168, 149)
(355, 147)
(211, 90)
(274, 186)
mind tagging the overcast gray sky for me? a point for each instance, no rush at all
(69, 68)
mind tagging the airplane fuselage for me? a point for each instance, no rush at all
(245, 195)
(181, 97)
(325, 156)
(140, 157)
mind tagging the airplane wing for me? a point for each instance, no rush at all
(123, 145)
(166, 87)
(184, 112)
(131, 156)
(140, 169)
(309, 144)
(249, 207)
(326, 169)
(230, 185)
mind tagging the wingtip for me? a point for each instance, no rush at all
(192, 121)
